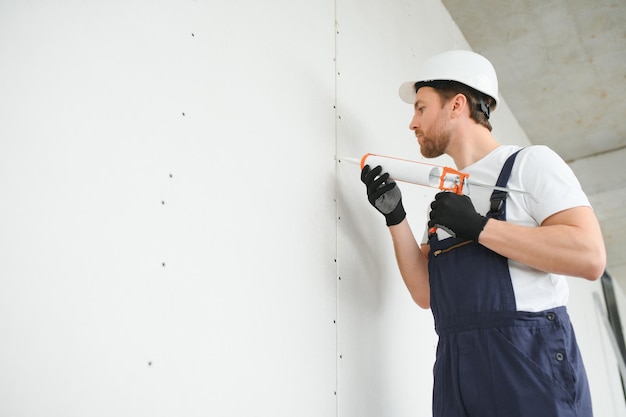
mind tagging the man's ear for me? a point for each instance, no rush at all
(459, 104)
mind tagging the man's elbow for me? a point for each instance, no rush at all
(595, 272)
(423, 302)
(596, 266)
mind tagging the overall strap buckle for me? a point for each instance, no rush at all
(497, 200)
(498, 197)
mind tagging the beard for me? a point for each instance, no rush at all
(432, 148)
(434, 144)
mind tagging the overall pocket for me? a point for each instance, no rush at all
(467, 278)
(541, 358)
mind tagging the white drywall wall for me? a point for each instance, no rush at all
(167, 225)
(175, 235)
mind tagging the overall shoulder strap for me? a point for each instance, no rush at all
(498, 197)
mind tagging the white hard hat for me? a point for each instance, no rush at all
(465, 67)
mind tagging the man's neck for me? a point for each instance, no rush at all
(472, 147)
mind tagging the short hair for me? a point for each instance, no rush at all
(480, 104)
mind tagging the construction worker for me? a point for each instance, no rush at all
(492, 265)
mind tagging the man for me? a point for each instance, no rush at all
(491, 267)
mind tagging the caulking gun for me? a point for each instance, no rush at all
(420, 173)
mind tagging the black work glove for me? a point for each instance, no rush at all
(384, 194)
(456, 214)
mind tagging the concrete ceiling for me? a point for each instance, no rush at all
(562, 70)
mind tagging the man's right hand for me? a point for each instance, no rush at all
(383, 193)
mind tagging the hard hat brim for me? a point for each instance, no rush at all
(407, 92)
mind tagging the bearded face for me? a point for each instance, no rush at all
(436, 138)
(430, 123)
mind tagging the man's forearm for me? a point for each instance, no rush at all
(412, 264)
(568, 243)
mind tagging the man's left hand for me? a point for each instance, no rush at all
(456, 214)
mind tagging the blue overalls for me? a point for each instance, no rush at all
(492, 360)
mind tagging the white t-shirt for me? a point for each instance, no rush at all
(553, 187)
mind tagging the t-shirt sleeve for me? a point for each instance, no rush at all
(425, 236)
(551, 182)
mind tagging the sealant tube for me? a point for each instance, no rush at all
(405, 170)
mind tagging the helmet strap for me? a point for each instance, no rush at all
(484, 107)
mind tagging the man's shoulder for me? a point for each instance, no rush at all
(539, 157)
